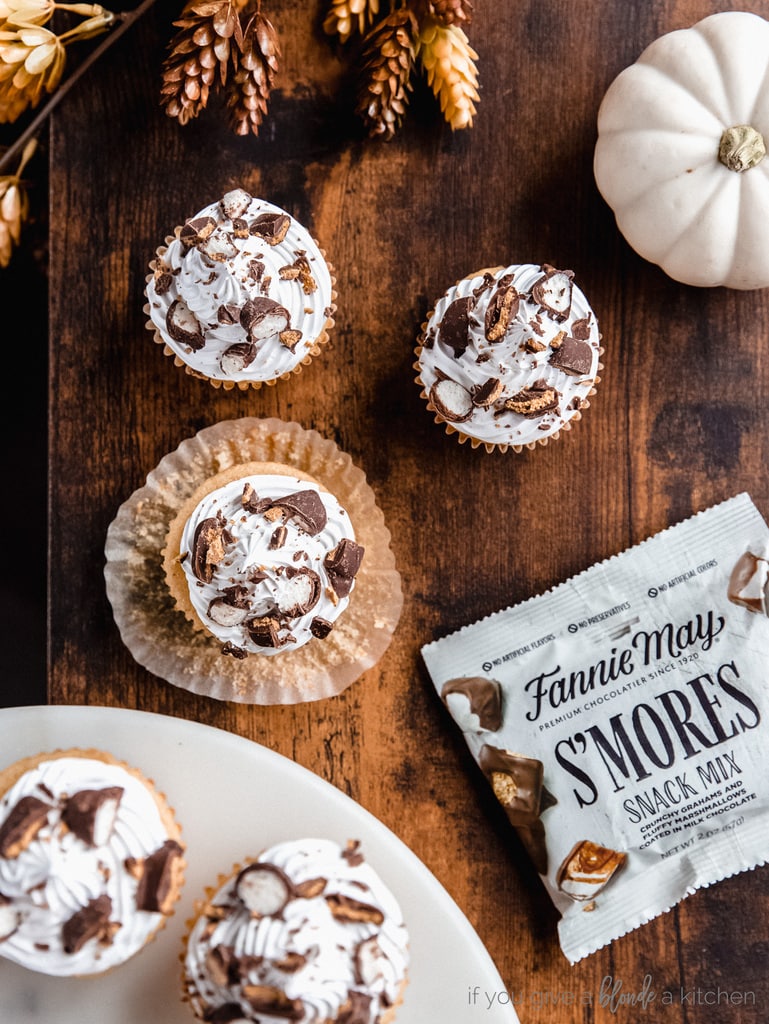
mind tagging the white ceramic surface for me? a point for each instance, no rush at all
(233, 797)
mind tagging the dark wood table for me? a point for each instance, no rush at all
(678, 424)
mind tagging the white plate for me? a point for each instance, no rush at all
(233, 797)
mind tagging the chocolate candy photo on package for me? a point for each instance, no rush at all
(622, 721)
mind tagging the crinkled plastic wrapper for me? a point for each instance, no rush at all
(622, 721)
(164, 642)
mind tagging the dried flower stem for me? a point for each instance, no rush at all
(122, 22)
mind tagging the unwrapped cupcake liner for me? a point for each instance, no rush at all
(243, 385)
(164, 642)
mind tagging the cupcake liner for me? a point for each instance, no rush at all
(164, 642)
(11, 774)
(476, 442)
(243, 385)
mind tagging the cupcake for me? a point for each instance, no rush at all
(307, 931)
(254, 566)
(509, 357)
(241, 294)
(263, 558)
(91, 862)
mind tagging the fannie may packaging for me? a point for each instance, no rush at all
(622, 720)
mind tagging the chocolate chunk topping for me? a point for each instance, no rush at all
(553, 292)
(502, 309)
(290, 963)
(455, 325)
(352, 853)
(290, 339)
(90, 814)
(342, 564)
(273, 1001)
(219, 246)
(451, 400)
(228, 314)
(357, 1009)
(485, 395)
(196, 230)
(252, 502)
(208, 547)
(234, 651)
(221, 964)
(224, 612)
(90, 922)
(573, 356)
(278, 538)
(159, 883)
(535, 400)
(183, 326)
(237, 357)
(368, 960)
(227, 1013)
(24, 821)
(272, 227)
(311, 888)
(300, 593)
(351, 911)
(581, 328)
(483, 696)
(516, 781)
(320, 628)
(262, 318)
(299, 271)
(307, 507)
(264, 631)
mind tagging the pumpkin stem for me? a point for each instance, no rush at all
(741, 147)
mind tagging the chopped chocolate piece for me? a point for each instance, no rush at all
(351, 911)
(89, 922)
(234, 651)
(320, 628)
(748, 582)
(219, 246)
(534, 400)
(502, 309)
(227, 1013)
(290, 339)
(451, 400)
(220, 961)
(573, 356)
(240, 227)
(263, 318)
(306, 506)
(91, 813)
(369, 962)
(357, 1009)
(252, 502)
(235, 203)
(159, 883)
(183, 326)
(342, 564)
(516, 781)
(310, 888)
(24, 821)
(290, 963)
(208, 547)
(264, 889)
(455, 325)
(587, 869)
(228, 314)
(237, 357)
(534, 346)
(163, 279)
(274, 1002)
(352, 853)
(272, 227)
(10, 918)
(486, 394)
(553, 292)
(196, 230)
(533, 838)
(225, 612)
(474, 702)
(300, 271)
(300, 593)
(264, 631)
(278, 538)
(581, 328)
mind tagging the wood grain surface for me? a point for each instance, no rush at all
(679, 423)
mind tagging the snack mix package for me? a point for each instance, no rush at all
(622, 720)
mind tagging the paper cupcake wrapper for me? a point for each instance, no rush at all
(243, 385)
(164, 642)
(476, 442)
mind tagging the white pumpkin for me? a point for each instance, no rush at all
(680, 151)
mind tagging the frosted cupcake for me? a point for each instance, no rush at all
(263, 558)
(306, 932)
(509, 357)
(91, 862)
(241, 294)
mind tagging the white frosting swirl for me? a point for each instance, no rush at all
(249, 556)
(510, 359)
(205, 285)
(327, 949)
(58, 873)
